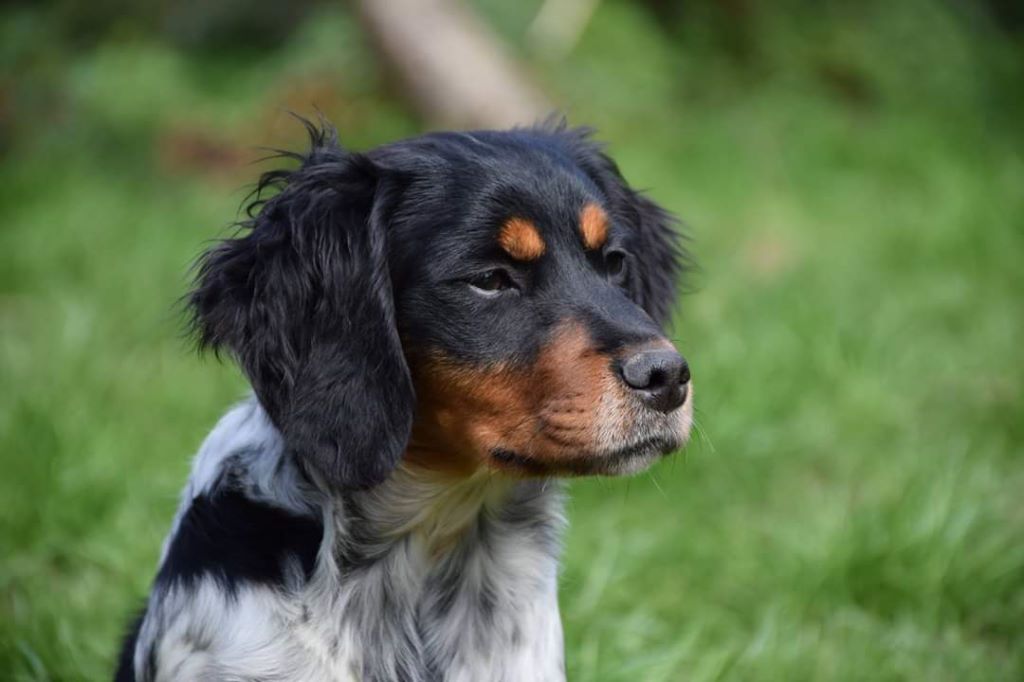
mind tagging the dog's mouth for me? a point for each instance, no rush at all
(624, 460)
(615, 449)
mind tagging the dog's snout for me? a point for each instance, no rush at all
(660, 376)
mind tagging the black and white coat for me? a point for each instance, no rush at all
(267, 575)
(486, 304)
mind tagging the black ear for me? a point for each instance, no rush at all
(660, 257)
(302, 299)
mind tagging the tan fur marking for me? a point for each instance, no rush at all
(551, 411)
(521, 240)
(593, 226)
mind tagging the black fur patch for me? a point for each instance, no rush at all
(236, 539)
(125, 664)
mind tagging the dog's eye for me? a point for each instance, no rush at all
(615, 262)
(492, 282)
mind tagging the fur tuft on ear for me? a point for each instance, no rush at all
(301, 298)
(661, 259)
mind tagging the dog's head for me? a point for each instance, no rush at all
(463, 300)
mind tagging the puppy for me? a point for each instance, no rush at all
(434, 331)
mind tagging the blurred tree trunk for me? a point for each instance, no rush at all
(450, 65)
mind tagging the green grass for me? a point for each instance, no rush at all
(851, 507)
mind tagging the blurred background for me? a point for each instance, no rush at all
(852, 179)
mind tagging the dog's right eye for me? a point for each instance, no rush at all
(492, 282)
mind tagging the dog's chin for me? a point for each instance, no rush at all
(633, 455)
(634, 458)
(623, 461)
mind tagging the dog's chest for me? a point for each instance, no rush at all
(397, 618)
(486, 611)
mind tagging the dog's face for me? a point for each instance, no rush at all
(472, 300)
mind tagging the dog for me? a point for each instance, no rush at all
(436, 332)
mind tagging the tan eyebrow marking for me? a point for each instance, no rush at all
(593, 226)
(521, 240)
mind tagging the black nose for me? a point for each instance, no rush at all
(660, 376)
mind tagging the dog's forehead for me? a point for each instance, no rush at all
(506, 194)
(530, 228)
(529, 214)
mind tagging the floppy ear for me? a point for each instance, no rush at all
(660, 257)
(302, 299)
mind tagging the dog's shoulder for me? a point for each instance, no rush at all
(248, 511)
(245, 537)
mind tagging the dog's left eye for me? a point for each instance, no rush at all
(492, 282)
(615, 262)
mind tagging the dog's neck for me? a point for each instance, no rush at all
(432, 509)
(435, 513)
